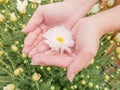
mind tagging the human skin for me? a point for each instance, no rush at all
(65, 13)
(91, 29)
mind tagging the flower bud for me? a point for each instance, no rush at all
(24, 55)
(9, 87)
(2, 18)
(117, 50)
(90, 84)
(13, 18)
(83, 82)
(52, 88)
(18, 71)
(36, 77)
(106, 77)
(14, 48)
(92, 61)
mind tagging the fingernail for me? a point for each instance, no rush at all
(71, 77)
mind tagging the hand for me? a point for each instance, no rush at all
(87, 33)
(87, 37)
(47, 16)
(41, 53)
(87, 42)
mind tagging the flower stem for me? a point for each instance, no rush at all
(37, 86)
(9, 59)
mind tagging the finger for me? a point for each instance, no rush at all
(31, 37)
(51, 52)
(47, 52)
(81, 61)
(44, 28)
(52, 60)
(26, 49)
(35, 21)
(42, 47)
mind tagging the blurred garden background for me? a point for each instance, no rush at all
(16, 72)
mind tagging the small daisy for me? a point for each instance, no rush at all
(59, 38)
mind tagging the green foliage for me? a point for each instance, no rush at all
(51, 77)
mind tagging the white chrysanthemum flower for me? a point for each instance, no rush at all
(95, 9)
(35, 1)
(59, 38)
(21, 6)
(110, 2)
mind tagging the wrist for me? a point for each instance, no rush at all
(107, 21)
(80, 6)
(90, 24)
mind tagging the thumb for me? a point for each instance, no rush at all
(81, 61)
(35, 21)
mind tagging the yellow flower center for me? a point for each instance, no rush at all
(60, 39)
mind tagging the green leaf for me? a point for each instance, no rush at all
(46, 86)
(4, 80)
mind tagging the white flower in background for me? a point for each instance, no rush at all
(9, 87)
(59, 38)
(13, 18)
(35, 1)
(95, 9)
(21, 6)
(110, 2)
